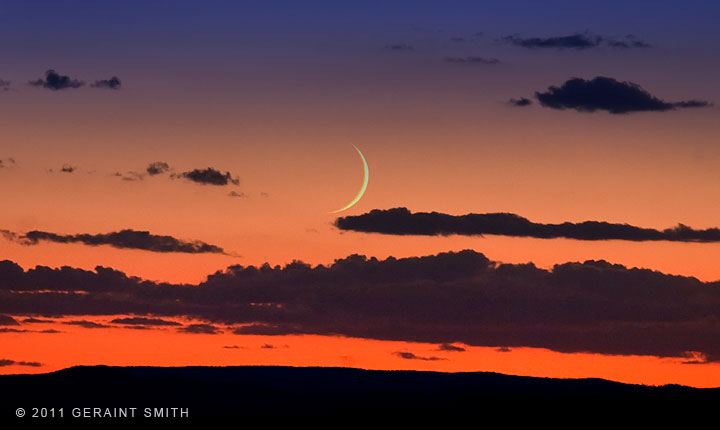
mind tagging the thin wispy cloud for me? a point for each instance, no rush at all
(521, 102)
(578, 41)
(110, 84)
(472, 60)
(126, 239)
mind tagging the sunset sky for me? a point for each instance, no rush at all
(250, 111)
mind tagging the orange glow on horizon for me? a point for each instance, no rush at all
(119, 346)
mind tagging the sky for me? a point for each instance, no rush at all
(558, 112)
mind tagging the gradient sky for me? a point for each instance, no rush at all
(277, 92)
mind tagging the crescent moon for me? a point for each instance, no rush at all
(366, 176)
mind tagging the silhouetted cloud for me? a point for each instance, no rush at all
(67, 168)
(400, 47)
(400, 221)
(472, 60)
(36, 321)
(129, 239)
(233, 347)
(522, 101)
(86, 324)
(130, 176)
(5, 362)
(8, 235)
(56, 81)
(8, 320)
(200, 329)
(153, 169)
(691, 104)
(267, 346)
(695, 357)
(112, 83)
(157, 168)
(454, 298)
(503, 349)
(450, 347)
(4, 162)
(603, 93)
(629, 41)
(576, 41)
(144, 321)
(236, 194)
(4, 85)
(208, 176)
(411, 356)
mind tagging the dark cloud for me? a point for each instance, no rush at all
(157, 168)
(233, 347)
(454, 298)
(472, 60)
(602, 93)
(112, 83)
(8, 320)
(36, 321)
(15, 330)
(200, 329)
(86, 324)
(4, 162)
(400, 221)
(4, 85)
(400, 47)
(576, 41)
(144, 321)
(5, 362)
(522, 101)
(50, 331)
(267, 346)
(209, 176)
(67, 168)
(450, 347)
(411, 356)
(55, 81)
(503, 349)
(236, 194)
(125, 239)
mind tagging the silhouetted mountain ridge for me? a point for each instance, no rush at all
(282, 392)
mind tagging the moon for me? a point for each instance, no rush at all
(360, 193)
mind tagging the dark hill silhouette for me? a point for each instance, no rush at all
(272, 393)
